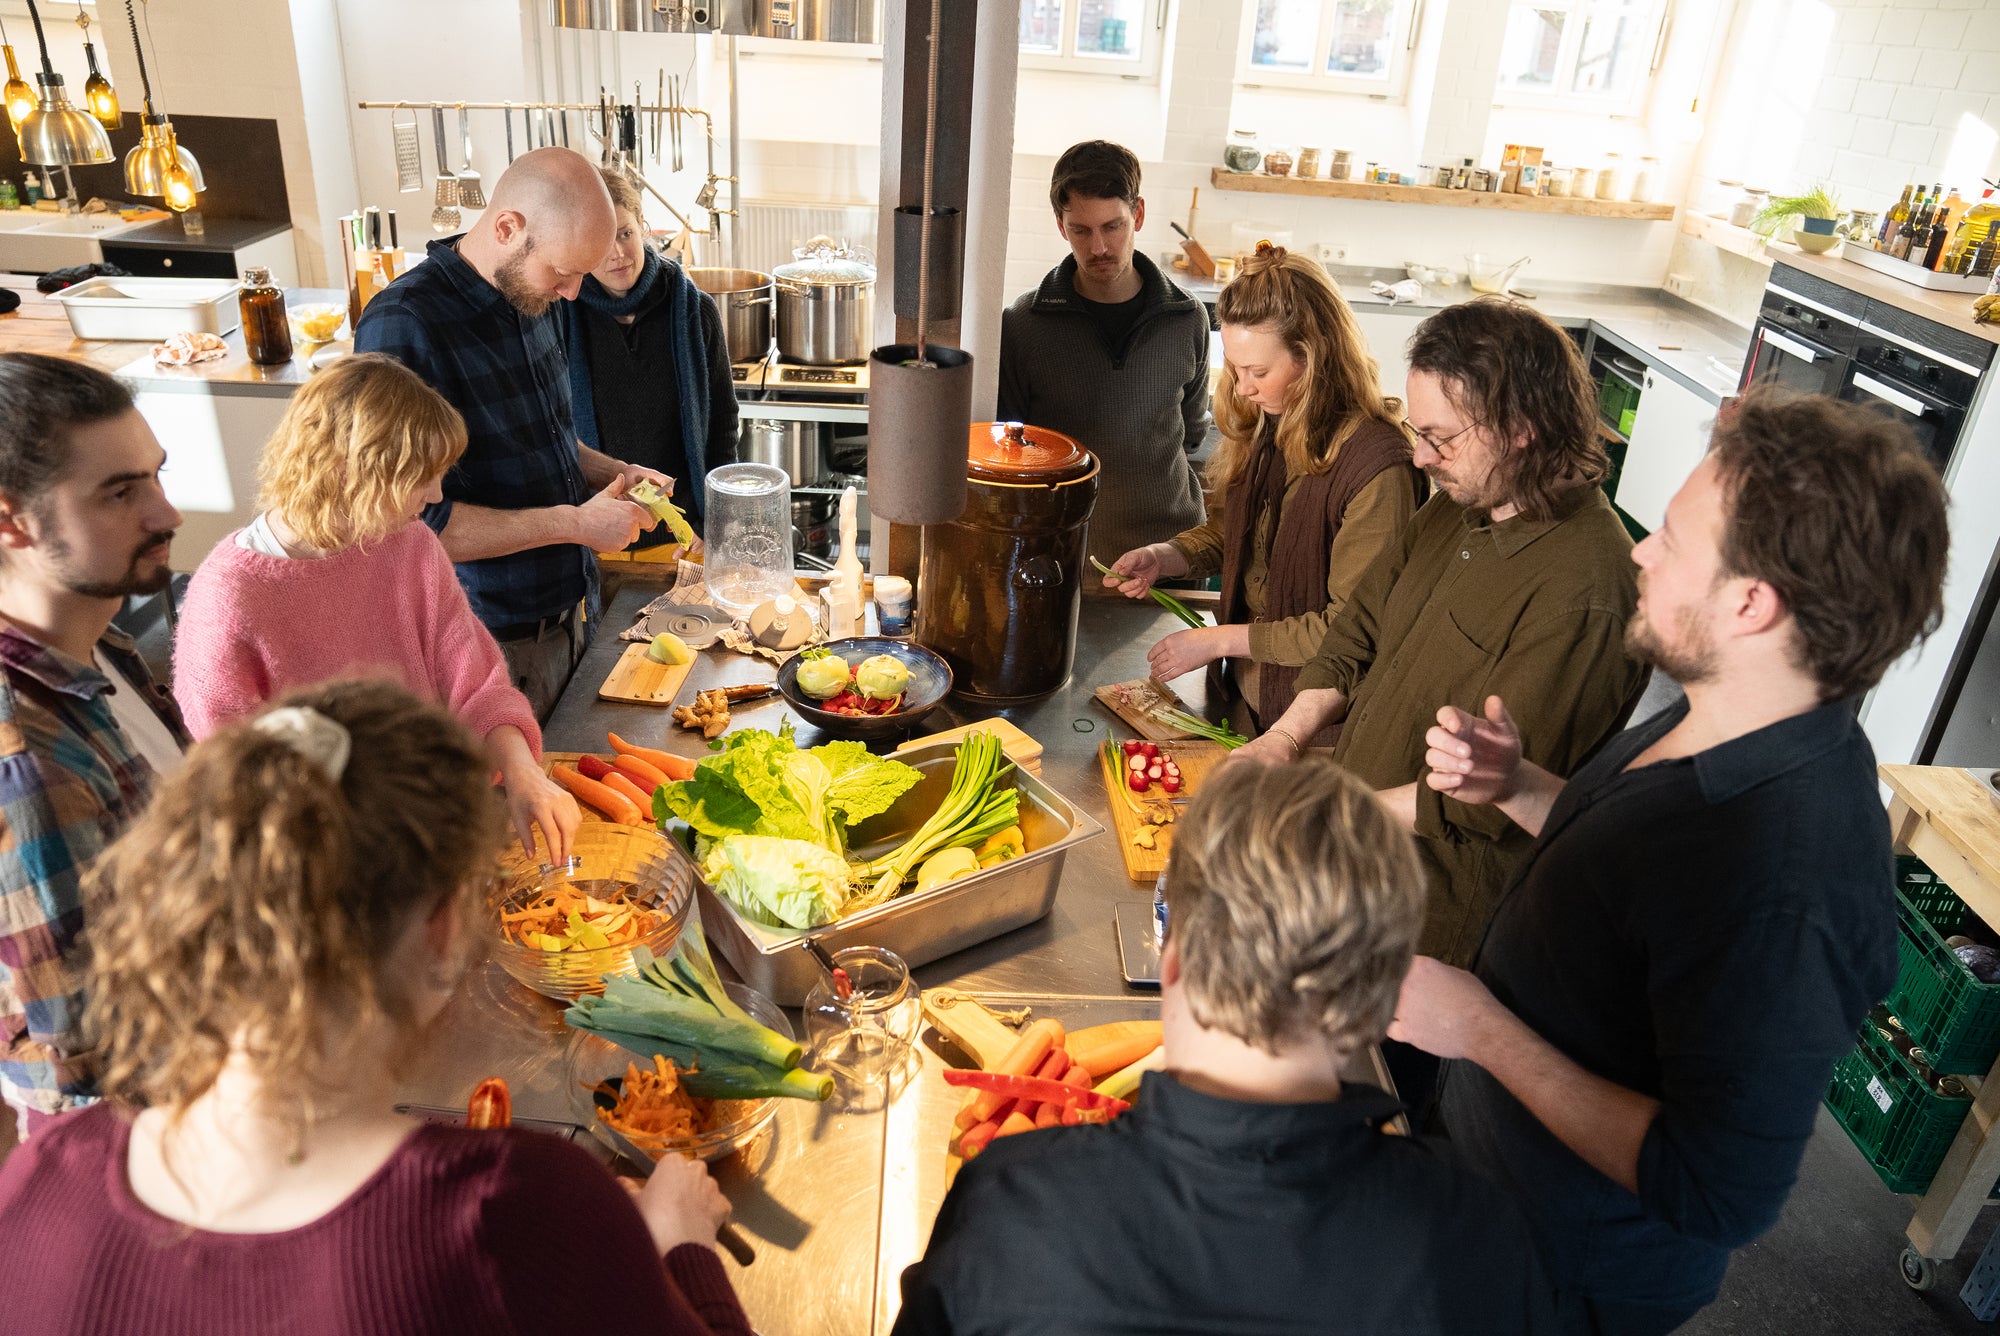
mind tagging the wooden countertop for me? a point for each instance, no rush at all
(40, 326)
(1950, 309)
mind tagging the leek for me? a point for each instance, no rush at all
(1164, 599)
(974, 809)
(706, 1077)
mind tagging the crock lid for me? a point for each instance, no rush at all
(1014, 452)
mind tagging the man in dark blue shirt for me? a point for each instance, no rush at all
(1705, 916)
(528, 505)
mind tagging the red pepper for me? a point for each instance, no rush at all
(490, 1105)
(593, 767)
(1029, 1087)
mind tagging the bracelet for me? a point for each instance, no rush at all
(1297, 750)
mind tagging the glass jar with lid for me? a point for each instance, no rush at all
(1307, 166)
(1583, 182)
(1555, 181)
(1278, 162)
(1241, 153)
(1611, 179)
(861, 1025)
(1748, 205)
(747, 528)
(267, 331)
(1342, 166)
(1642, 180)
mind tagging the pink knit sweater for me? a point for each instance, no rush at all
(254, 627)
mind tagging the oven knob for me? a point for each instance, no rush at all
(1822, 324)
(1792, 311)
(1930, 373)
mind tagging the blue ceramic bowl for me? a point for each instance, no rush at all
(1818, 226)
(930, 683)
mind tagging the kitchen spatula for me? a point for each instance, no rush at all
(444, 217)
(409, 154)
(470, 193)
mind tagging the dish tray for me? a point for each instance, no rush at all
(150, 308)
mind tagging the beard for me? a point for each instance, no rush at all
(1690, 660)
(511, 279)
(134, 581)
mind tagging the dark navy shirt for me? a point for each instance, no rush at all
(1709, 931)
(1193, 1213)
(506, 374)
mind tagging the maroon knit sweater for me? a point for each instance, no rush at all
(459, 1231)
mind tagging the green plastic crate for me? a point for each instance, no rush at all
(1899, 1123)
(1923, 887)
(1952, 1015)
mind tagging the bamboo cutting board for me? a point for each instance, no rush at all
(1019, 748)
(644, 681)
(1195, 758)
(1138, 720)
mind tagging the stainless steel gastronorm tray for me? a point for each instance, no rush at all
(919, 928)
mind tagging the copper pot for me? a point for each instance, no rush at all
(998, 589)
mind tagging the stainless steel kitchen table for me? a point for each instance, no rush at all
(838, 1201)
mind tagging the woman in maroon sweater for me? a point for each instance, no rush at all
(283, 923)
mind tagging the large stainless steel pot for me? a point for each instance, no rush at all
(744, 296)
(998, 588)
(799, 448)
(826, 306)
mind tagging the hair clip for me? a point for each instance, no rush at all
(323, 741)
(1266, 248)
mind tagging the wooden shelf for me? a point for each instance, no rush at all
(1725, 236)
(1258, 183)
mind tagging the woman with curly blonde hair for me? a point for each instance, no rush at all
(337, 577)
(281, 927)
(1313, 482)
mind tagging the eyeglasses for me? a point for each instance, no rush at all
(1441, 445)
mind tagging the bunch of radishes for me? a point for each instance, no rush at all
(1146, 765)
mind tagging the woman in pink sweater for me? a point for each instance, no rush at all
(338, 578)
(269, 941)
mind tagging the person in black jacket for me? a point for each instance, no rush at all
(1705, 915)
(1249, 1188)
(648, 362)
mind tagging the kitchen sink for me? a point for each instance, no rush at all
(35, 242)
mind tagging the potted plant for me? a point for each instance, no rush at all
(1816, 211)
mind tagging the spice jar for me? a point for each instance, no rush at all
(1642, 180)
(1308, 164)
(267, 331)
(1343, 165)
(1278, 162)
(1611, 181)
(1583, 183)
(1241, 154)
(1555, 181)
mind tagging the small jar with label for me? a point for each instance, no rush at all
(267, 331)
(1307, 166)
(1241, 153)
(893, 596)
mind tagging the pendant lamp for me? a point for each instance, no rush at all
(158, 165)
(56, 134)
(20, 97)
(98, 94)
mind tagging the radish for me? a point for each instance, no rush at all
(1137, 763)
(1152, 749)
(1139, 782)
(1154, 772)
(1131, 746)
(1172, 783)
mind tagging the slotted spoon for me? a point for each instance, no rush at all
(470, 193)
(444, 218)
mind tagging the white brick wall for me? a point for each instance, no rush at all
(1898, 83)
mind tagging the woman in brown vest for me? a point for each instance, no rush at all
(1313, 481)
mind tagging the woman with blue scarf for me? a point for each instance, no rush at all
(648, 362)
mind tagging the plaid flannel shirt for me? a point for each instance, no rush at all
(507, 375)
(70, 782)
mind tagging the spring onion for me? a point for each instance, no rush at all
(1201, 728)
(1164, 599)
(974, 809)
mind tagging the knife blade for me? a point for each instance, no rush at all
(727, 1235)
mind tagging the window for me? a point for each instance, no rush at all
(1580, 53)
(1357, 46)
(1094, 36)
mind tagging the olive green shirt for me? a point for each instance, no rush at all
(1372, 523)
(1531, 611)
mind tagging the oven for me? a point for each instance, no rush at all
(1919, 373)
(1805, 334)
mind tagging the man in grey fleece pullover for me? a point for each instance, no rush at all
(1111, 351)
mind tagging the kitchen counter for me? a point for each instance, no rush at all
(1950, 309)
(842, 1199)
(235, 373)
(1697, 348)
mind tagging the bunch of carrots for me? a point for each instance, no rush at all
(621, 787)
(1041, 1084)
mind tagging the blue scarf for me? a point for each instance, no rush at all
(683, 313)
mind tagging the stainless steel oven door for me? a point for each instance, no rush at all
(1790, 359)
(1936, 422)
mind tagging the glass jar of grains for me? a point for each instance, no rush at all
(1241, 153)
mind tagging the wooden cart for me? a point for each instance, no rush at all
(1947, 817)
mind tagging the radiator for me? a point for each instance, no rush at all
(768, 231)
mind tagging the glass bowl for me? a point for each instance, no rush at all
(592, 1059)
(603, 857)
(314, 323)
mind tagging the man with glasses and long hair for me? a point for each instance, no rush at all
(1517, 571)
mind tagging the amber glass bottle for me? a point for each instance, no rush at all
(267, 333)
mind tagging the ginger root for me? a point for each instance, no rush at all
(709, 715)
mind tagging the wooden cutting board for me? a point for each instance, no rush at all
(1138, 720)
(1021, 749)
(1196, 758)
(644, 681)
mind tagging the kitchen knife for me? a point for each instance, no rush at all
(730, 1237)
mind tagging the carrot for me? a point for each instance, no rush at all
(605, 799)
(1048, 1115)
(668, 764)
(620, 782)
(1077, 1076)
(1016, 1122)
(1119, 1053)
(975, 1141)
(1053, 1066)
(1028, 1053)
(646, 775)
(593, 767)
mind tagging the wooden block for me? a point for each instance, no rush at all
(1021, 749)
(967, 1023)
(639, 679)
(1195, 758)
(1198, 259)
